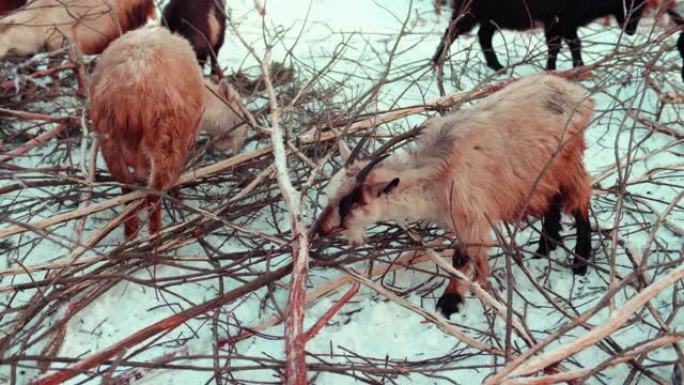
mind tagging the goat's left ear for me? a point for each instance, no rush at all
(385, 187)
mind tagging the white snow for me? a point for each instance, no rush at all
(370, 325)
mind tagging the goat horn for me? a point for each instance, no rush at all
(356, 151)
(363, 174)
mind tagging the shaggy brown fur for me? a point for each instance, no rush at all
(145, 114)
(202, 22)
(519, 152)
(90, 24)
(10, 5)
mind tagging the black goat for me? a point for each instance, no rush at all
(202, 22)
(679, 20)
(10, 5)
(560, 19)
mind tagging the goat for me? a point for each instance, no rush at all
(145, 115)
(10, 5)
(519, 152)
(90, 24)
(679, 20)
(203, 23)
(560, 19)
(222, 120)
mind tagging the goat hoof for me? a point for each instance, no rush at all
(540, 253)
(580, 269)
(448, 304)
(496, 67)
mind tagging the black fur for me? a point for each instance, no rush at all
(551, 227)
(583, 246)
(560, 19)
(347, 203)
(448, 304)
(190, 20)
(680, 48)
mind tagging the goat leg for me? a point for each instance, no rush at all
(485, 35)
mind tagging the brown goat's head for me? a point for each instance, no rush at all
(355, 199)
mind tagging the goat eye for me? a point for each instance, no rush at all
(349, 201)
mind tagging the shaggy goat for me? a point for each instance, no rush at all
(677, 19)
(10, 5)
(560, 19)
(202, 22)
(519, 152)
(221, 119)
(145, 114)
(90, 24)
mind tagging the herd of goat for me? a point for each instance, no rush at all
(518, 152)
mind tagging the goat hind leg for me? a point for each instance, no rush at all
(575, 45)
(485, 35)
(551, 227)
(553, 42)
(583, 246)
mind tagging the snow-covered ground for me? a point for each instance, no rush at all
(373, 339)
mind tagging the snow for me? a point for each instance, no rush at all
(388, 335)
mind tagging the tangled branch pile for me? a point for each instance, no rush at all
(208, 300)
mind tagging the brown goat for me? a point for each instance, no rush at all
(90, 24)
(203, 23)
(146, 102)
(519, 152)
(10, 5)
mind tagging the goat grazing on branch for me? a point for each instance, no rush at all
(559, 18)
(203, 23)
(90, 24)
(519, 152)
(146, 102)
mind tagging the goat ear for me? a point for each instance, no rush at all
(226, 90)
(385, 187)
(345, 152)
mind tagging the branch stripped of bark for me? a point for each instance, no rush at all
(295, 339)
(166, 324)
(518, 368)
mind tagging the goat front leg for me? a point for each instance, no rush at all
(485, 35)
(553, 42)
(459, 24)
(575, 44)
(449, 302)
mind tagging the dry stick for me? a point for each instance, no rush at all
(331, 312)
(164, 325)
(617, 319)
(428, 315)
(295, 340)
(406, 260)
(311, 136)
(313, 295)
(38, 140)
(583, 373)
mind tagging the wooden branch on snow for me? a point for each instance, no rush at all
(518, 368)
